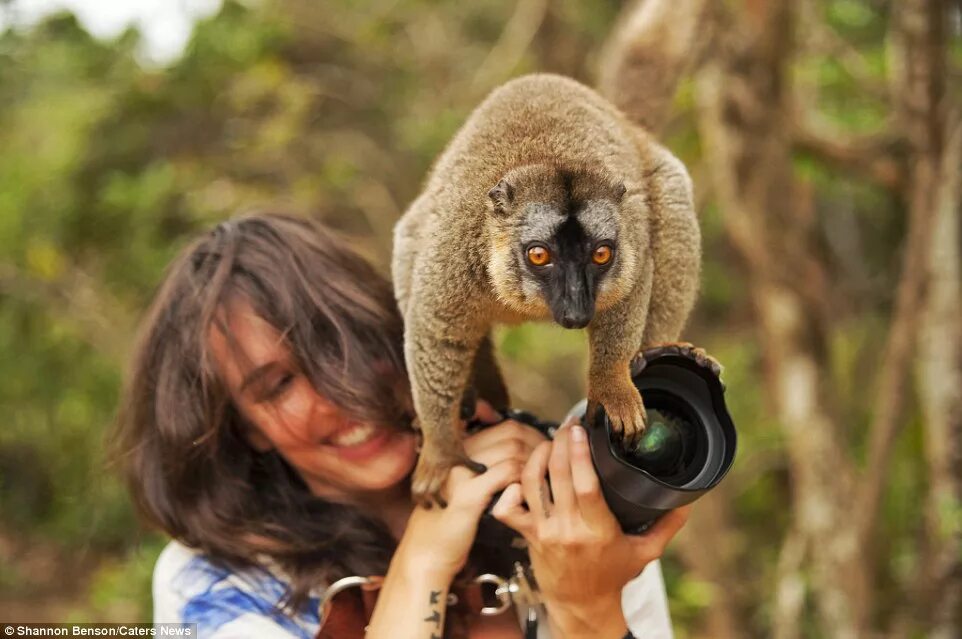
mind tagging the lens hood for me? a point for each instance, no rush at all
(673, 378)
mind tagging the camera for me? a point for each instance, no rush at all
(688, 447)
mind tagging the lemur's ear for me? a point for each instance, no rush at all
(502, 194)
(619, 191)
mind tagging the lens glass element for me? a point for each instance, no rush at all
(674, 447)
(662, 448)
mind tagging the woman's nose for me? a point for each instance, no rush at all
(323, 407)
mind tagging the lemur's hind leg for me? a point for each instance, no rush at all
(675, 250)
(486, 382)
(487, 378)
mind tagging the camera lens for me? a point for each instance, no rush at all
(662, 447)
(674, 447)
(687, 448)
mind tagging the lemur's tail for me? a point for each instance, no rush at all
(650, 48)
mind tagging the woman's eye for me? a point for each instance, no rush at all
(538, 255)
(277, 387)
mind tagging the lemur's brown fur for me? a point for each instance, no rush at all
(454, 273)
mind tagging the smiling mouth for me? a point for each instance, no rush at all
(354, 435)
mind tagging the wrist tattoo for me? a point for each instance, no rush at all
(435, 616)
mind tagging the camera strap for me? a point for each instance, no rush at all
(347, 604)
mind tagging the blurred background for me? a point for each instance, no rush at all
(824, 140)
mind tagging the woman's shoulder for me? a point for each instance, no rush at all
(191, 587)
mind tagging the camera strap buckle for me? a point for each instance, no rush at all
(347, 604)
(519, 589)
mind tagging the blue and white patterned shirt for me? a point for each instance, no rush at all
(230, 604)
(225, 603)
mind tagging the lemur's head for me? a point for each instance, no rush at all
(557, 242)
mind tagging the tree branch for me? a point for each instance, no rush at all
(871, 157)
(789, 587)
(937, 588)
(506, 53)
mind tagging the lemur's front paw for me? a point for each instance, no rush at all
(432, 470)
(626, 412)
(684, 349)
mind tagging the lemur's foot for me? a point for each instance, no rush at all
(684, 349)
(432, 470)
(626, 412)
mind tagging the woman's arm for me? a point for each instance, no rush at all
(580, 557)
(436, 541)
(413, 598)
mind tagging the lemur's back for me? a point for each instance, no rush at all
(533, 118)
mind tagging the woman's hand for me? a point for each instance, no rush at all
(438, 539)
(580, 557)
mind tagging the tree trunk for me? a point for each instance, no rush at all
(744, 119)
(939, 590)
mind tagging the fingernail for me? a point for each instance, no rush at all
(577, 433)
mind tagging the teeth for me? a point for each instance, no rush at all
(355, 435)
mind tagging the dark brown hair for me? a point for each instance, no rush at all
(179, 439)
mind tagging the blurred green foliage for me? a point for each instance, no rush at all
(337, 109)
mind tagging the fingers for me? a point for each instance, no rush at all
(534, 487)
(584, 479)
(510, 510)
(508, 429)
(480, 489)
(501, 450)
(652, 543)
(559, 473)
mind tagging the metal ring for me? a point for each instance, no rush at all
(501, 592)
(341, 585)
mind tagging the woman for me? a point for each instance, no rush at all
(266, 428)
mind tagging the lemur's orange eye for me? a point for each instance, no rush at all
(602, 255)
(539, 255)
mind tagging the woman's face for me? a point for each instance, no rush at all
(338, 457)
